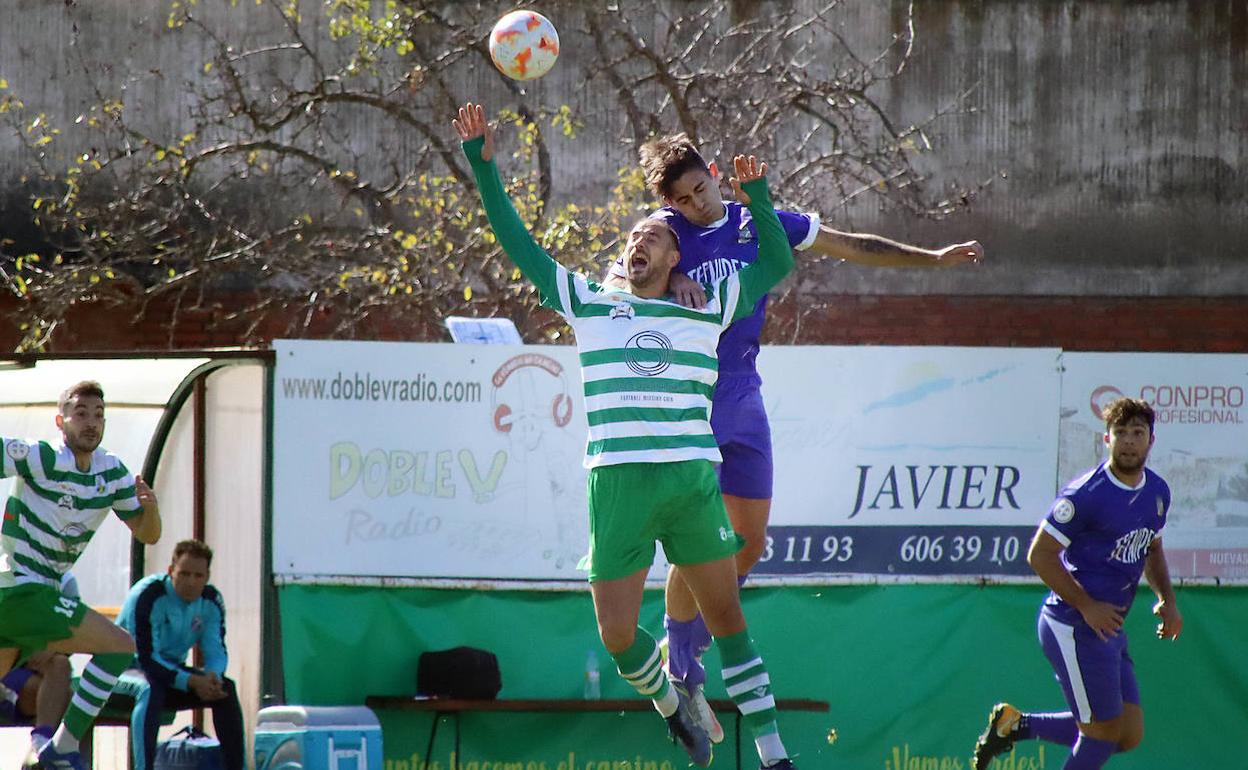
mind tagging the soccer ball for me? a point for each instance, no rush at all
(524, 45)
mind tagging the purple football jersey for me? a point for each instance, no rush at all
(709, 254)
(1107, 528)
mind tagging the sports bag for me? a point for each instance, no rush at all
(461, 672)
(188, 749)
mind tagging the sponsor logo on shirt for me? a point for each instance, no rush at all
(716, 270)
(71, 544)
(648, 353)
(623, 310)
(1132, 546)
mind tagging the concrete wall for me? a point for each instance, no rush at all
(1113, 130)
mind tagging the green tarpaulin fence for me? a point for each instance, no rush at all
(910, 672)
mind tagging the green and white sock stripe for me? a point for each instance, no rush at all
(642, 666)
(747, 682)
(98, 680)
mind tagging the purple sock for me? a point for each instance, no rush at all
(1090, 754)
(686, 641)
(1058, 728)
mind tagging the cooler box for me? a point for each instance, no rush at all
(318, 738)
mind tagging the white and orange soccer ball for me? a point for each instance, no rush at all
(524, 45)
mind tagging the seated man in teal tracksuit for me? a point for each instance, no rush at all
(167, 614)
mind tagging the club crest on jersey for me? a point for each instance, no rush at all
(743, 232)
(648, 353)
(18, 450)
(623, 310)
(1063, 511)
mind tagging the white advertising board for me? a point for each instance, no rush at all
(1200, 449)
(918, 460)
(428, 460)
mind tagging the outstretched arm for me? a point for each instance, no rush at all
(775, 257)
(478, 144)
(878, 251)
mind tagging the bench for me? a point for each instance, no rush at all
(453, 707)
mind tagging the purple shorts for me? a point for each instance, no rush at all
(739, 422)
(14, 681)
(1096, 676)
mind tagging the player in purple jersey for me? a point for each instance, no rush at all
(717, 238)
(1102, 532)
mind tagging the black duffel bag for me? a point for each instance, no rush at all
(188, 749)
(461, 672)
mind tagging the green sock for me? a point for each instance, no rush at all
(749, 686)
(642, 666)
(97, 683)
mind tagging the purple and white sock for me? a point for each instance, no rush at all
(1059, 728)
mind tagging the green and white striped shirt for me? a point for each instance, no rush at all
(649, 369)
(649, 365)
(56, 508)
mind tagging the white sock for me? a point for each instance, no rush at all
(668, 703)
(770, 749)
(63, 741)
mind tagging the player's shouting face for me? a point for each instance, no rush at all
(650, 254)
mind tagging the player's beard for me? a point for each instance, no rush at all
(1131, 465)
(77, 443)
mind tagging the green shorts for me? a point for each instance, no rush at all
(634, 504)
(32, 616)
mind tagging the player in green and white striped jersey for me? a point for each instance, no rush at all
(61, 496)
(649, 368)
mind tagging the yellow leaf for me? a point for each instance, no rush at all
(207, 67)
(467, 293)
(409, 242)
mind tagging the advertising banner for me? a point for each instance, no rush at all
(428, 460)
(464, 461)
(1200, 449)
(908, 461)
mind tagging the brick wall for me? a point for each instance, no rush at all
(1215, 325)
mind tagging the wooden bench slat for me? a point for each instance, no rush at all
(537, 705)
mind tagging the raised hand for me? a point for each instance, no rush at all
(960, 254)
(471, 124)
(747, 169)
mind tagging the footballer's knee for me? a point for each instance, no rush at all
(617, 638)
